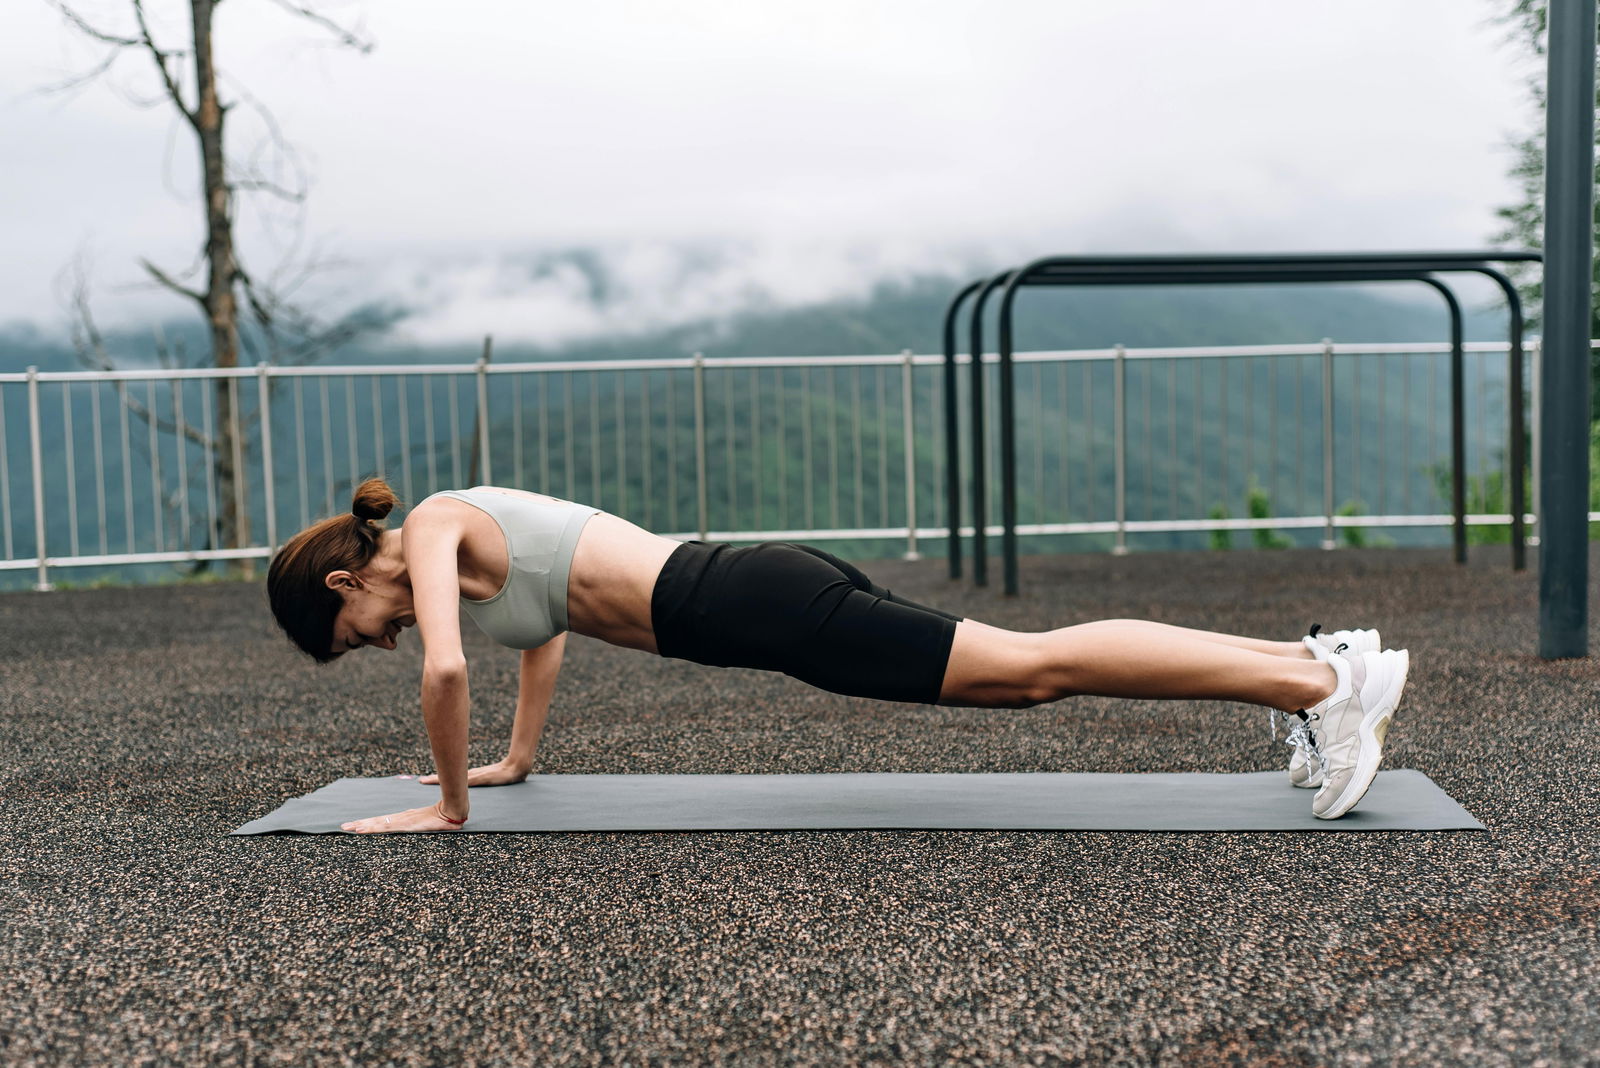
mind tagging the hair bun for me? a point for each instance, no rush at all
(373, 500)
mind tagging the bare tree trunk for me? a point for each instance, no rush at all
(222, 308)
(220, 299)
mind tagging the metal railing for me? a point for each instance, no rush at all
(109, 469)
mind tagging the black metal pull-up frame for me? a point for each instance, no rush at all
(1212, 270)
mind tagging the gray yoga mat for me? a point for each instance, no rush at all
(1043, 801)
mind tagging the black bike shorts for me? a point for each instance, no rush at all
(782, 606)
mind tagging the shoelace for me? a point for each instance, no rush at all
(1299, 734)
(1304, 737)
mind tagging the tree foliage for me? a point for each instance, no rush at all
(1522, 223)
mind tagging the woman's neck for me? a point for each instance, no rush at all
(390, 561)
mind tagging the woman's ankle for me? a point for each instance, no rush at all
(1317, 682)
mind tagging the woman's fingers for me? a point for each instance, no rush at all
(416, 819)
(497, 774)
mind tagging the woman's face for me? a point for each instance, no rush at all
(374, 612)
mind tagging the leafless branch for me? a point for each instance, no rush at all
(78, 81)
(90, 347)
(262, 185)
(254, 177)
(348, 38)
(145, 41)
(163, 354)
(171, 283)
(138, 408)
(160, 57)
(261, 314)
(295, 337)
(87, 342)
(87, 30)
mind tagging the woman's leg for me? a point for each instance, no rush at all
(996, 668)
(1295, 649)
(991, 667)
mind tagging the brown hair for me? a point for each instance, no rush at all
(297, 580)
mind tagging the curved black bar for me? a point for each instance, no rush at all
(1458, 409)
(980, 486)
(1441, 260)
(1182, 271)
(1247, 276)
(1008, 437)
(952, 427)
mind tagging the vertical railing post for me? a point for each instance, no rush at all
(483, 414)
(1120, 446)
(36, 447)
(1328, 540)
(908, 429)
(701, 504)
(242, 516)
(264, 401)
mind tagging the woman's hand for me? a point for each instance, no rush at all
(413, 820)
(500, 773)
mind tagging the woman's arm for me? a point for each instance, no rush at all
(430, 545)
(540, 666)
(538, 683)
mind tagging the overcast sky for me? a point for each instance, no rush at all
(727, 151)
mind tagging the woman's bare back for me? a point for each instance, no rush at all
(614, 569)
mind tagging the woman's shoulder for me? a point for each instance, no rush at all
(438, 508)
(522, 494)
(481, 498)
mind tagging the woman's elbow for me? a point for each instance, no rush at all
(444, 669)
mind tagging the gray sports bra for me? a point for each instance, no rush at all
(531, 608)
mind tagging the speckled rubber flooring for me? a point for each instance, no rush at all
(139, 726)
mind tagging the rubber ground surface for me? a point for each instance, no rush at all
(139, 726)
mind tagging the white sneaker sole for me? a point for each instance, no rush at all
(1374, 728)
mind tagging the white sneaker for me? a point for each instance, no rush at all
(1354, 641)
(1351, 725)
(1305, 763)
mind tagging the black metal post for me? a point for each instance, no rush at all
(1458, 413)
(1008, 444)
(952, 428)
(1565, 377)
(980, 482)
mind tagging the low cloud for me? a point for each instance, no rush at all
(551, 298)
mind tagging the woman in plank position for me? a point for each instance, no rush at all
(527, 568)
